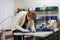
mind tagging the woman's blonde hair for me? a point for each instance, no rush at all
(32, 14)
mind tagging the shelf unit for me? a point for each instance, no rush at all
(53, 11)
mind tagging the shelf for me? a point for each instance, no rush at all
(48, 11)
(49, 8)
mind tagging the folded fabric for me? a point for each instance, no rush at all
(47, 17)
(54, 17)
(42, 28)
(46, 29)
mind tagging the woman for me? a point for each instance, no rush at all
(22, 21)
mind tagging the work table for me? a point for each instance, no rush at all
(39, 34)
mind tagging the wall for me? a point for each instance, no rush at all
(59, 8)
(6, 13)
(36, 3)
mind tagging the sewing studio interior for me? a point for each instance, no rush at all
(29, 20)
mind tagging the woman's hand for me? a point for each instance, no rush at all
(33, 30)
(26, 30)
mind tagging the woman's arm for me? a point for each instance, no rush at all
(32, 26)
(19, 21)
(18, 24)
